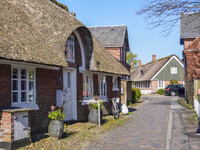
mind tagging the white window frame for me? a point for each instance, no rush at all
(100, 78)
(84, 77)
(173, 70)
(115, 84)
(25, 104)
(163, 85)
(70, 43)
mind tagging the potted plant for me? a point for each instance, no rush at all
(56, 125)
(93, 116)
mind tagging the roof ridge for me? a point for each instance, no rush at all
(106, 26)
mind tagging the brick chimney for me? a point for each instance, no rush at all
(139, 62)
(153, 57)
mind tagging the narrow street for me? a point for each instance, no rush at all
(146, 130)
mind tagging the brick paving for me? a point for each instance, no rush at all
(146, 130)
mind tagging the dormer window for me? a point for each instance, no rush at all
(142, 73)
(70, 49)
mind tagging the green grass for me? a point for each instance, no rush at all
(184, 103)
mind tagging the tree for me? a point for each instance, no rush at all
(166, 13)
(131, 57)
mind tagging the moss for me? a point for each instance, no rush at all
(60, 5)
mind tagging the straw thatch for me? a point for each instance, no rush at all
(36, 31)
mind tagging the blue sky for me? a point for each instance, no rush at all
(142, 41)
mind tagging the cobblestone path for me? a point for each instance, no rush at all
(146, 130)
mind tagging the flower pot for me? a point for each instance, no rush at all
(56, 129)
(93, 116)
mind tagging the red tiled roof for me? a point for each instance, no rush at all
(195, 44)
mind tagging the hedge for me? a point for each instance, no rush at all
(136, 94)
(161, 91)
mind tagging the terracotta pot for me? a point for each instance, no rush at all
(56, 128)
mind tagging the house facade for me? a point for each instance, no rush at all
(115, 40)
(49, 59)
(189, 38)
(157, 74)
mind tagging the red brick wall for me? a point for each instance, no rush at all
(187, 42)
(6, 127)
(115, 51)
(154, 86)
(46, 86)
(5, 85)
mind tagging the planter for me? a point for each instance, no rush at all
(56, 129)
(93, 116)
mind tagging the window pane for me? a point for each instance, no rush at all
(15, 96)
(15, 85)
(23, 74)
(83, 86)
(23, 85)
(91, 94)
(15, 73)
(68, 80)
(31, 74)
(31, 96)
(23, 96)
(31, 85)
(87, 87)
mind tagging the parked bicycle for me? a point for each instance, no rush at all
(115, 107)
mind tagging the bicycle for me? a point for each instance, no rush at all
(115, 107)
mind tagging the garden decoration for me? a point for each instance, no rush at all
(56, 125)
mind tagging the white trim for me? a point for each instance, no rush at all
(27, 64)
(82, 68)
(165, 66)
(70, 43)
(84, 76)
(163, 84)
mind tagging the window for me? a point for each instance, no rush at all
(160, 84)
(87, 86)
(23, 85)
(69, 49)
(173, 70)
(121, 54)
(115, 84)
(102, 86)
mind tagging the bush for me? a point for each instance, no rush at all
(174, 82)
(56, 115)
(161, 91)
(95, 105)
(136, 94)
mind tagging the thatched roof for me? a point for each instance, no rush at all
(111, 36)
(103, 61)
(148, 70)
(36, 31)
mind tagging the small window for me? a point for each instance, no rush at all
(102, 86)
(160, 84)
(115, 84)
(70, 49)
(87, 86)
(173, 70)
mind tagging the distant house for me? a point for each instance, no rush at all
(157, 74)
(189, 37)
(48, 57)
(115, 40)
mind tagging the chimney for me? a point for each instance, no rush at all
(140, 62)
(153, 57)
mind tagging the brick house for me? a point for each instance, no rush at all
(115, 40)
(189, 38)
(48, 57)
(157, 73)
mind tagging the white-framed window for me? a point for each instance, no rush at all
(173, 70)
(70, 49)
(87, 86)
(161, 84)
(115, 84)
(102, 86)
(23, 86)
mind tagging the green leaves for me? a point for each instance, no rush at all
(131, 57)
(95, 105)
(56, 115)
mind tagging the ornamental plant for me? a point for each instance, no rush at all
(95, 105)
(56, 115)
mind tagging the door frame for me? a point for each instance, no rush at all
(74, 89)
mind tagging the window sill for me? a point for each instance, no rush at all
(26, 105)
(91, 100)
(115, 89)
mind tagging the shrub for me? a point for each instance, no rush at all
(161, 91)
(174, 82)
(136, 94)
(95, 105)
(56, 115)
